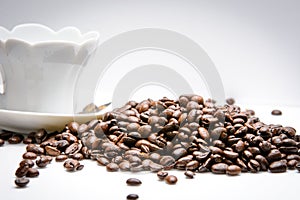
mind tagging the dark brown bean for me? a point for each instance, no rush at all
(29, 155)
(277, 167)
(21, 182)
(276, 112)
(162, 175)
(112, 167)
(230, 101)
(133, 182)
(2, 142)
(61, 158)
(28, 140)
(21, 171)
(189, 174)
(233, 170)
(171, 179)
(219, 168)
(72, 165)
(26, 162)
(52, 151)
(32, 172)
(132, 196)
(16, 139)
(42, 161)
(292, 164)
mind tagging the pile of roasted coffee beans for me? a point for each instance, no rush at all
(188, 134)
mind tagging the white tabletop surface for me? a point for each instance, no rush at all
(94, 182)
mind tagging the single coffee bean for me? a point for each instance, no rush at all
(77, 156)
(132, 196)
(230, 154)
(29, 155)
(5, 135)
(171, 179)
(277, 167)
(124, 165)
(28, 140)
(189, 174)
(1, 142)
(133, 182)
(162, 175)
(274, 155)
(73, 127)
(233, 170)
(61, 158)
(21, 182)
(32, 172)
(21, 171)
(26, 162)
(264, 164)
(40, 136)
(42, 161)
(276, 112)
(230, 101)
(52, 151)
(219, 168)
(292, 164)
(112, 167)
(16, 139)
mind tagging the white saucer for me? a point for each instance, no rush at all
(26, 122)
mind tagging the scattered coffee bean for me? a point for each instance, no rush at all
(16, 139)
(276, 112)
(230, 101)
(28, 140)
(32, 172)
(278, 167)
(133, 182)
(42, 161)
(132, 196)
(162, 175)
(189, 174)
(61, 158)
(112, 167)
(171, 179)
(29, 155)
(1, 142)
(52, 151)
(233, 170)
(26, 162)
(21, 182)
(21, 171)
(219, 168)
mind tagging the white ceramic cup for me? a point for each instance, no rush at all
(39, 67)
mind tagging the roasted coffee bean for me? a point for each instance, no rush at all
(265, 146)
(277, 167)
(5, 135)
(112, 167)
(230, 154)
(254, 166)
(61, 158)
(192, 165)
(77, 156)
(171, 179)
(292, 164)
(1, 142)
(288, 150)
(16, 139)
(52, 151)
(167, 160)
(21, 182)
(27, 140)
(32, 172)
(42, 161)
(276, 112)
(124, 165)
(132, 196)
(162, 175)
(40, 136)
(133, 182)
(230, 101)
(219, 168)
(73, 148)
(72, 165)
(274, 155)
(154, 167)
(264, 164)
(233, 170)
(73, 127)
(288, 142)
(103, 161)
(189, 174)
(26, 162)
(293, 157)
(29, 155)
(240, 146)
(21, 171)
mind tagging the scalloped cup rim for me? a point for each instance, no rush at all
(52, 37)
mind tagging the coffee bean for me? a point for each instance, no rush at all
(112, 167)
(26, 162)
(162, 175)
(219, 168)
(189, 174)
(132, 196)
(21, 182)
(276, 112)
(21, 171)
(264, 164)
(253, 166)
(16, 139)
(274, 155)
(77, 156)
(32, 172)
(28, 140)
(154, 167)
(73, 127)
(5, 135)
(72, 165)
(133, 182)
(230, 101)
(233, 170)
(277, 167)
(124, 165)
(52, 151)
(42, 161)
(2, 142)
(230, 154)
(29, 155)
(292, 164)
(61, 158)
(171, 179)
(40, 135)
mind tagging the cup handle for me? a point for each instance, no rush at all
(2, 80)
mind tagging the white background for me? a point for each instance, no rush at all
(255, 46)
